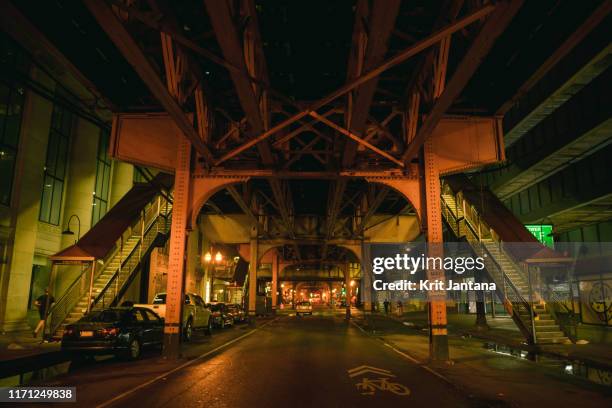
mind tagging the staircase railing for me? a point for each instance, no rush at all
(515, 304)
(156, 209)
(68, 301)
(112, 291)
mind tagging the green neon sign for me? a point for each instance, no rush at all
(543, 233)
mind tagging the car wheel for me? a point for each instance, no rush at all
(134, 350)
(188, 331)
(209, 327)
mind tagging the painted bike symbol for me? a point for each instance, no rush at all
(369, 387)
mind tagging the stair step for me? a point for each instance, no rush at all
(545, 322)
(552, 340)
(550, 334)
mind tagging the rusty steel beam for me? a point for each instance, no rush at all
(232, 48)
(242, 204)
(395, 60)
(381, 23)
(358, 139)
(233, 52)
(304, 150)
(378, 200)
(449, 11)
(128, 47)
(570, 43)
(303, 128)
(492, 28)
(337, 190)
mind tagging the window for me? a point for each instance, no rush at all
(138, 315)
(12, 60)
(138, 177)
(100, 198)
(151, 316)
(55, 166)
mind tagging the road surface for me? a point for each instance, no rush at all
(301, 362)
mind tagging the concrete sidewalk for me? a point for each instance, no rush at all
(15, 345)
(503, 377)
(503, 331)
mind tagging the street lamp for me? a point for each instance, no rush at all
(68, 231)
(208, 259)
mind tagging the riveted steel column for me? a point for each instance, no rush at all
(438, 340)
(347, 283)
(176, 262)
(274, 282)
(253, 277)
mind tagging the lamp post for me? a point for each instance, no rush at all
(208, 259)
(68, 231)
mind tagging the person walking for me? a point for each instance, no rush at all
(43, 303)
(400, 308)
(386, 304)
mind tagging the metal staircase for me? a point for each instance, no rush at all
(103, 283)
(526, 306)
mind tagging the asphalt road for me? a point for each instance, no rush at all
(301, 362)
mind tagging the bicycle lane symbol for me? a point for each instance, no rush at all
(369, 386)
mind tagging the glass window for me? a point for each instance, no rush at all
(160, 299)
(151, 316)
(11, 107)
(55, 166)
(138, 177)
(105, 316)
(103, 168)
(139, 316)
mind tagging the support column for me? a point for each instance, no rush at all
(253, 278)
(367, 294)
(176, 263)
(347, 283)
(438, 335)
(274, 282)
(481, 316)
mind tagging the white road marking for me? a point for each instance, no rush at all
(408, 357)
(188, 363)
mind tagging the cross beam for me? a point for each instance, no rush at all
(397, 59)
(136, 57)
(226, 32)
(381, 22)
(492, 29)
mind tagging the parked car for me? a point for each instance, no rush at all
(195, 313)
(221, 315)
(237, 312)
(123, 331)
(303, 308)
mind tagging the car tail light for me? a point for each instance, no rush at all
(112, 331)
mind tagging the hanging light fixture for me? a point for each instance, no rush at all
(207, 257)
(218, 257)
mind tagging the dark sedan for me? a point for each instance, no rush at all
(123, 331)
(221, 315)
(237, 312)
